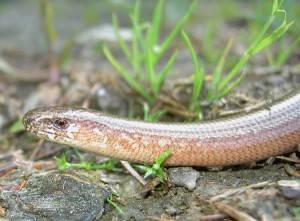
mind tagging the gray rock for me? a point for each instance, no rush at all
(290, 189)
(184, 176)
(56, 196)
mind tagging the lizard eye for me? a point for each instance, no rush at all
(61, 123)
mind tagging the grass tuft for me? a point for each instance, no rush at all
(146, 51)
(156, 169)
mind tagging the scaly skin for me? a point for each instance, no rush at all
(245, 138)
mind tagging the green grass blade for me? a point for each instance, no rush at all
(276, 33)
(152, 78)
(271, 58)
(125, 74)
(114, 205)
(120, 40)
(164, 72)
(162, 157)
(47, 11)
(281, 54)
(169, 39)
(198, 71)
(146, 109)
(285, 54)
(208, 42)
(217, 74)
(234, 71)
(153, 32)
(259, 44)
(231, 87)
(157, 169)
(249, 52)
(152, 117)
(273, 37)
(266, 26)
(137, 26)
(275, 6)
(219, 69)
(136, 53)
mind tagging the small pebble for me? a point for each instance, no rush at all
(184, 176)
(290, 192)
(290, 189)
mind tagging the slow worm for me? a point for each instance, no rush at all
(266, 132)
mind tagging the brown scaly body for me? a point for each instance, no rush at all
(266, 132)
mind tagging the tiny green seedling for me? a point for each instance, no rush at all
(109, 165)
(157, 168)
(113, 204)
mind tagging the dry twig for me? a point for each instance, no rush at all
(234, 212)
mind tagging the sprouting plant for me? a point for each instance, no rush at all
(156, 169)
(146, 51)
(283, 54)
(109, 165)
(221, 85)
